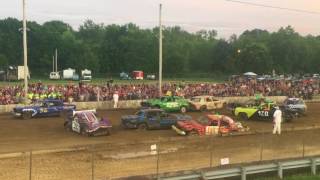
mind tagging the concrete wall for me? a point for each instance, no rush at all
(136, 103)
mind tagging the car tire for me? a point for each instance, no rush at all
(243, 116)
(143, 126)
(183, 109)
(84, 132)
(67, 127)
(203, 108)
(193, 133)
(27, 115)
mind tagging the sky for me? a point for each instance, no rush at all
(192, 15)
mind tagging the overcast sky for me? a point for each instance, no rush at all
(224, 16)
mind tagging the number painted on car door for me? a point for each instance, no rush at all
(263, 113)
(172, 105)
(76, 126)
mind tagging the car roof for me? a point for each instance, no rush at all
(201, 96)
(294, 99)
(51, 100)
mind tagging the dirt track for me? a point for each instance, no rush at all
(126, 152)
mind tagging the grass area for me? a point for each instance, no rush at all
(116, 81)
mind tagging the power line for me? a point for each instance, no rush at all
(274, 7)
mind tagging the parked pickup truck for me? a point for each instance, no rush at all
(44, 108)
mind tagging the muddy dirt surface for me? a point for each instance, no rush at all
(127, 152)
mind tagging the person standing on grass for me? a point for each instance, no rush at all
(115, 99)
(277, 118)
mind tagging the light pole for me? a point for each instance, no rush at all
(25, 53)
(160, 51)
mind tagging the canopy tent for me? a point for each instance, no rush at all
(250, 74)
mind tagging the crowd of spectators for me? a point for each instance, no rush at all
(306, 89)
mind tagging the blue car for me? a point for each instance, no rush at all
(152, 119)
(43, 108)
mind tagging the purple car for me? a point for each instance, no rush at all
(87, 123)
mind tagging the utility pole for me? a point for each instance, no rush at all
(160, 51)
(56, 60)
(25, 55)
(53, 64)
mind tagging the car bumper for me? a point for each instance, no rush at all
(100, 131)
(129, 125)
(178, 131)
(16, 114)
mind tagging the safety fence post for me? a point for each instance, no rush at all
(243, 173)
(313, 166)
(280, 171)
(92, 162)
(30, 165)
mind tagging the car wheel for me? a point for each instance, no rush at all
(108, 132)
(243, 116)
(27, 115)
(142, 126)
(193, 133)
(203, 108)
(67, 126)
(84, 131)
(183, 109)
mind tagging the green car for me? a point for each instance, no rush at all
(263, 111)
(168, 103)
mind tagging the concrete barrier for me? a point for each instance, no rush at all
(243, 99)
(133, 104)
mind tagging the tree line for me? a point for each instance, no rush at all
(110, 49)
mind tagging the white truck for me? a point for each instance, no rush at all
(70, 74)
(54, 76)
(86, 75)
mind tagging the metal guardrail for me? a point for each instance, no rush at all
(251, 169)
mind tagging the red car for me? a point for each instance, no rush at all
(209, 125)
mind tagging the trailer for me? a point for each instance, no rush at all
(86, 75)
(15, 73)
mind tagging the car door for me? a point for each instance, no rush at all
(75, 124)
(210, 104)
(167, 120)
(172, 104)
(153, 119)
(52, 109)
(43, 109)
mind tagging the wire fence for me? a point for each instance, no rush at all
(156, 158)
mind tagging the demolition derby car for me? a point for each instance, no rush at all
(47, 107)
(168, 103)
(204, 103)
(209, 125)
(152, 119)
(295, 106)
(263, 111)
(87, 123)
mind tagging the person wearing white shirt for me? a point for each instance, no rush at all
(115, 99)
(277, 118)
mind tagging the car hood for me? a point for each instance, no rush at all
(182, 117)
(20, 108)
(129, 117)
(191, 123)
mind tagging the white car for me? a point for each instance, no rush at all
(204, 103)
